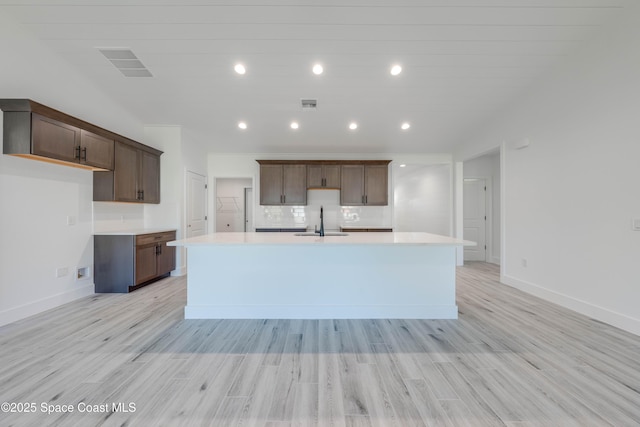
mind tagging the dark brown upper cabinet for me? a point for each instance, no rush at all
(124, 169)
(283, 184)
(323, 176)
(364, 185)
(361, 182)
(96, 150)
(34, 131)
(135, 178)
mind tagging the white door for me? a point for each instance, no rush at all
(475, 218)
(196, 204)
(248, 209)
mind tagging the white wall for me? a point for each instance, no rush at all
(570, 196)
(179, 156)
(488, 166)
(422, 199)
(36, 198)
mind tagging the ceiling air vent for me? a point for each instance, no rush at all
(125, 61)
(309, 104)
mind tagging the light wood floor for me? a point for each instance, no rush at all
(510, 360)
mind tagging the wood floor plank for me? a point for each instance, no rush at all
(428, 405)
(305, 410)
(381, 413)
(405, 410)
(309, 352)
(476, 406)
(204, 393)
(330, 395)
(287, 379)
(258, 404)
(353, 399)
(510, 359)
(228, 413)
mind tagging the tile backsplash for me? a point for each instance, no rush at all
(335, 215)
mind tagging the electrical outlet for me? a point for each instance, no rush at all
(82, 273)
(524, 262)
(62, 271)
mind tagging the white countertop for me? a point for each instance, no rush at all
(136, 232)
(364, 227)
(358, 238)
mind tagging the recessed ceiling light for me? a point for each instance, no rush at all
(395, 70)
(405, 126)
(294, 125)
(353, 126)
(239, 68)
(317, 69)
(403, 165)
(242, 125)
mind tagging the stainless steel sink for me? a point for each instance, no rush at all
(325, 234)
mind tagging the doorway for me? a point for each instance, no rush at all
(481, 199)
(233, 206)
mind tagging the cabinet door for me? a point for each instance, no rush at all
(166, 259)
(376, 183)
(54, 139)
(149, 177)
(125, 179)
(96, 150)
(270, 184)
(294, 184)
(323, 176)
(146, 263)
(352, 185)
(315, 178)
(331, 175)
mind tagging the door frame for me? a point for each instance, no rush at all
(248, 200)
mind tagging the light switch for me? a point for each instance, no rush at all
(635, 224)
(71, 220)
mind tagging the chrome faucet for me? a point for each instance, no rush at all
(321, 231)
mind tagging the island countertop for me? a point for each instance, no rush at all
(397, 238)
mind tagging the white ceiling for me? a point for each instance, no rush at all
(462, 61)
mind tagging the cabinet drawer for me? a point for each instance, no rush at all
(145, 239)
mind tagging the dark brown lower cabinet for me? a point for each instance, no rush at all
(124, 262)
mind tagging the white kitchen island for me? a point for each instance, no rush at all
(284, 276)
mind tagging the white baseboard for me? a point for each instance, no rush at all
(21, 312)
(179, 271)
(320, 312)
(601, 314)
(494, 260)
